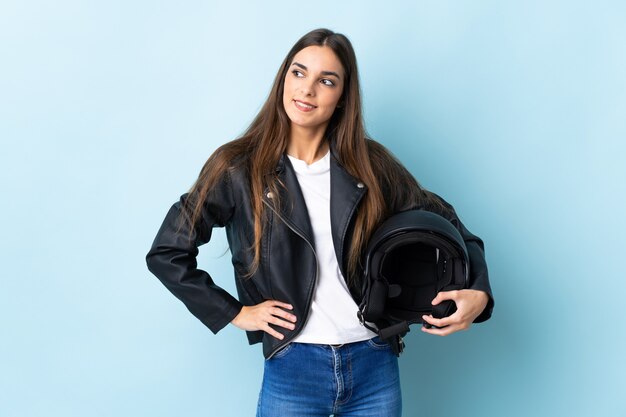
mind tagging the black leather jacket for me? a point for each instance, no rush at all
(288, 268)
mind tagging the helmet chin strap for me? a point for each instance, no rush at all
(393, 333)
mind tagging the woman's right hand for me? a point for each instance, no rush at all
(259, 316)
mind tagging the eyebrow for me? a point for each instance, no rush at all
(323, 72)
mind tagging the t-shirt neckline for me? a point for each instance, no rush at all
(320, 164)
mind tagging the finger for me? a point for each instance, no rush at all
(280, 304)
(282, 323)
(273, 332)
(445, 295)
(442, 332)
(457, 318)
(445, 321)
(276, 311)
(436, 332)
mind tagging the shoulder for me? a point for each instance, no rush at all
(384, 163)
(232, 153)
(378, 152)
(400, 188)
(388, 169)
(230, 159)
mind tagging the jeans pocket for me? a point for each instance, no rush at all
(283, 351)
(377, 343)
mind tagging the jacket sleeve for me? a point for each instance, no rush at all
(172, 259)
(479, 274)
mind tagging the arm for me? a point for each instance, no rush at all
(172, 259)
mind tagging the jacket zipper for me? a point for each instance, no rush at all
(310, 295)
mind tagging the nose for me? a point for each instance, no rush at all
(307, 88)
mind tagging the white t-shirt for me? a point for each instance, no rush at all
(332, 318)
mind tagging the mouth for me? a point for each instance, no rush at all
(303, 106)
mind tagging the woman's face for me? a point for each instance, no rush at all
(315, 76)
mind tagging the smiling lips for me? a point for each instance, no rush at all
(302, 106)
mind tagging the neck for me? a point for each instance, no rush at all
(307, 145)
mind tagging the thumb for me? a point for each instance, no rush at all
(441, 296)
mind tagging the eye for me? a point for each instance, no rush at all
(330, 83)
(296, 72)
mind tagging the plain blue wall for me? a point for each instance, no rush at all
(512, 111)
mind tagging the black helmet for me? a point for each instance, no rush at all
(411, 257)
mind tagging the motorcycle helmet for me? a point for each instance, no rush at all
(411, 257)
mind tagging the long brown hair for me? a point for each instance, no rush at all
(262, 144)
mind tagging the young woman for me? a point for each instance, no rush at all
(300, 193)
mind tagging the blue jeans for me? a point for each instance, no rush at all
(353, 379)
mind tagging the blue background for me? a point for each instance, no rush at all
(512, 111)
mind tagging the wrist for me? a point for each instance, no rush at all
(235, 321)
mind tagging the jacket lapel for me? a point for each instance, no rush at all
(293, 207)
(345, 193)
